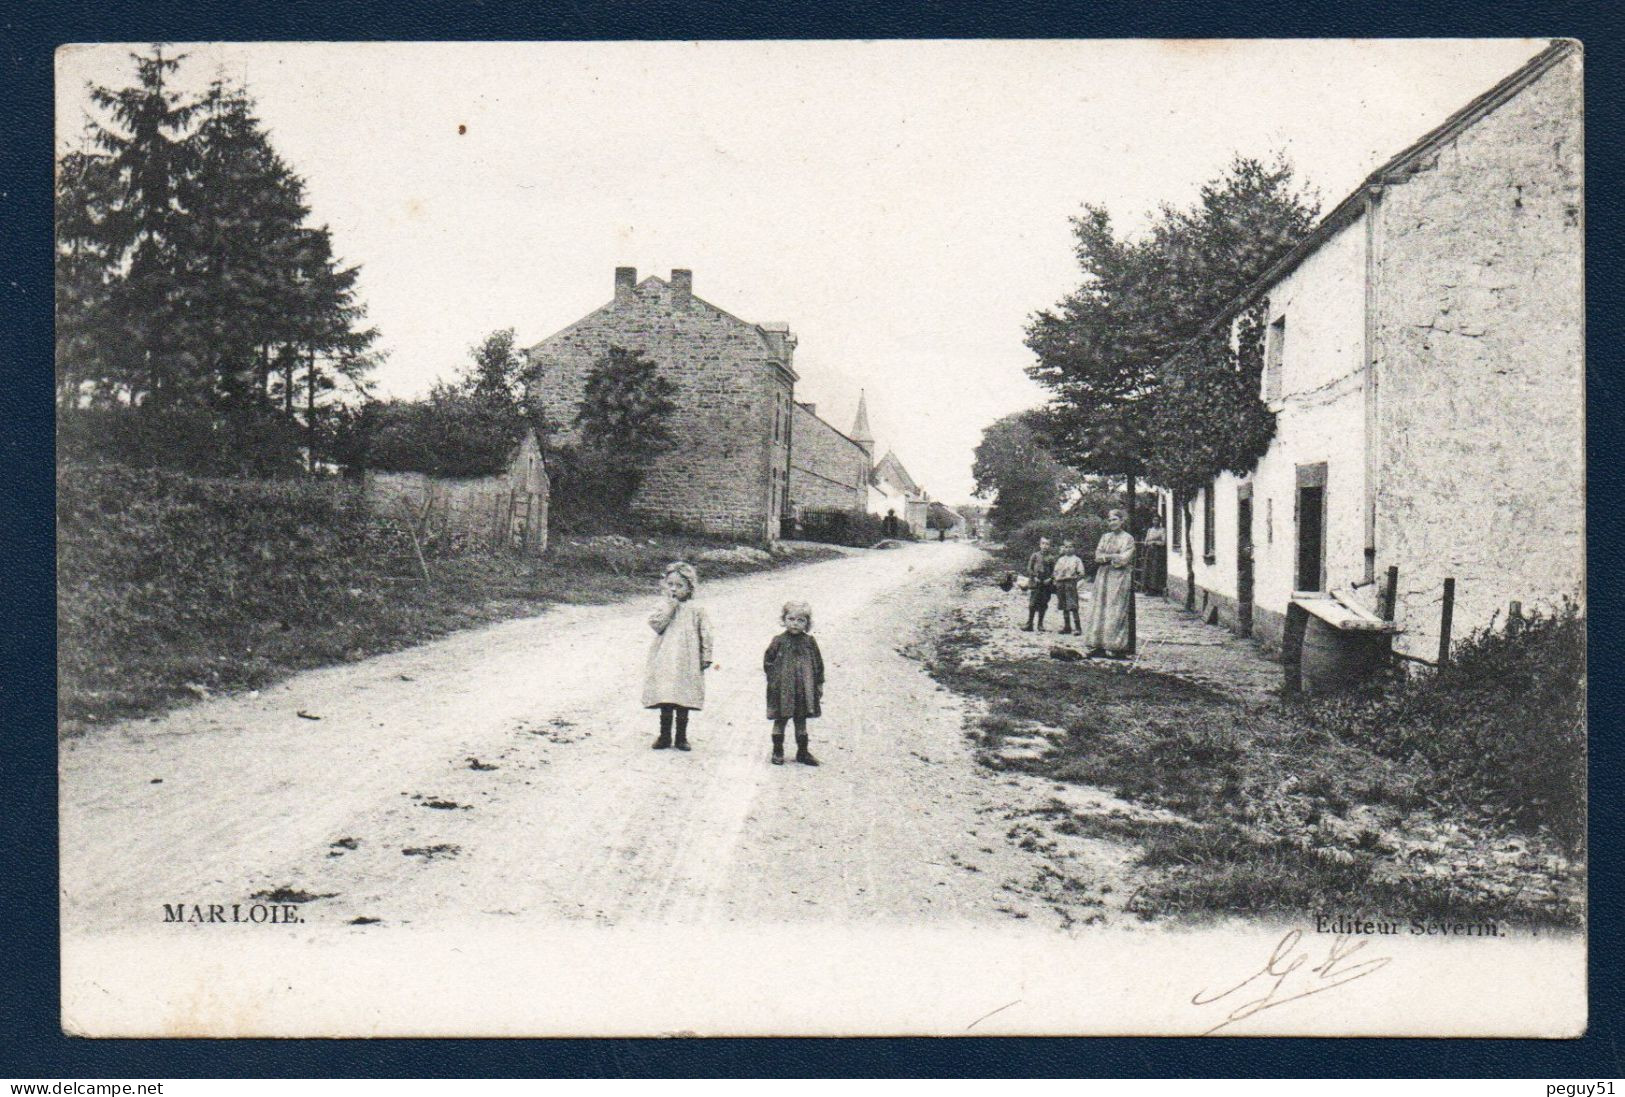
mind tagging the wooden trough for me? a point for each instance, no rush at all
(1332, 643)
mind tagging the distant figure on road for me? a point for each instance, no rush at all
(1040, 583)
(1068, 570)
(889, 523)
(795, 680)
(675, 679)
(1111, 630)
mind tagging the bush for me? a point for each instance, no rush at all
(192, 440)
(1503, 725)
(450, 434)
(1083, 530)
(841, 527)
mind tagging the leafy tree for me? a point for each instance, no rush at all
(468, 426)
(1015, 467)
(1105, 351)
(1212, 382)
(623, 425)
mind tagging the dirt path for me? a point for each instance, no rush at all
(504, 773)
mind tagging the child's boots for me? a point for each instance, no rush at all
(778, 749)
(803, 755)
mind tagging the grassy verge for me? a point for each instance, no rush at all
(171, 588)
(1275, 814)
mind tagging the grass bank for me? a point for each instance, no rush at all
(172, 587)
(1265, 809)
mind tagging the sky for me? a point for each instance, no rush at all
(903, 206)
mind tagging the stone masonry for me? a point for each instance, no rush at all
(1479, 308)
(828, 470)
(727, 473)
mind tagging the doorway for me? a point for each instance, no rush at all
(1311, 522)
(1244, 560)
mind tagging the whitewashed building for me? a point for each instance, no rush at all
(1425, 359)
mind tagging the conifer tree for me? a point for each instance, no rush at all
(149, 161)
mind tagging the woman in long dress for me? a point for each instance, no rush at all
(1110, 630)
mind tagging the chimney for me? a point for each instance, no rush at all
(625, 279)
(682, 287)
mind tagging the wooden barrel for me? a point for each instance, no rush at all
(1335, 659)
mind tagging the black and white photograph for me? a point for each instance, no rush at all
(821, 538)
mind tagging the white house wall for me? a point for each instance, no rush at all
(1320, 418)
(1479, 302)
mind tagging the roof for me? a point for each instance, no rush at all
(773, 336)
(1398, 169)
(827, 425)
(890, 469)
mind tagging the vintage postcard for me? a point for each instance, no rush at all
(822, 538)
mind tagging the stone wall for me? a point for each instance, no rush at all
(733, 383)
(1479, 306)
(828, 471)
(486, 512)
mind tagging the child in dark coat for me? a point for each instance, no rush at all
(795, 680)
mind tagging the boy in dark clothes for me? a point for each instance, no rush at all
(1041, 583)
(795, 680)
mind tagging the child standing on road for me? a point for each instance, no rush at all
(795, 680)
(674, 682)
(1068, 570)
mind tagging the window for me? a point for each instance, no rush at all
(1208, 540)
(1177, 528)
(1274, 352)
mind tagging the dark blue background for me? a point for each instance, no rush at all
(30, 1042)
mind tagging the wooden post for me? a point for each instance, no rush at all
(1514, 618)
(1390, 594)
(1297, 623)
(1445, 613)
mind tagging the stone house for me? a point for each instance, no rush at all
(893, 490)
(1425, 358)
(507, 509)
(745, 452)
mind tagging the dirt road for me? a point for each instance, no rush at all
(505, 773)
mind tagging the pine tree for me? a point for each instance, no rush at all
(83, 337)
(244, 244)
(150, 160)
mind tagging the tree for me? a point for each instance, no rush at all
(84, 336)
(1212, 382)
(1015, 468)
(245, 246)
(189, 285)
(1105, 351)
(148, 163)
(624, 424)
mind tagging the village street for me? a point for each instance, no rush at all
(505, 773)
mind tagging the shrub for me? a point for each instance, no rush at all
(1503, 725)
(1083, 530)
(841, 527)
(192, 440)
(449, 434)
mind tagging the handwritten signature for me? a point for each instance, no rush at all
(1285, 978)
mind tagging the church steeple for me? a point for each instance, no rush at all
(860, 432)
